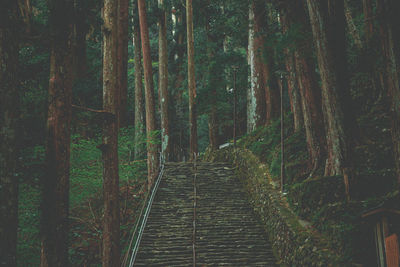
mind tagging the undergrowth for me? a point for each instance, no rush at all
(85, 199)
(320, 200)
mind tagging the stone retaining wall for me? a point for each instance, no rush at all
(294, 243)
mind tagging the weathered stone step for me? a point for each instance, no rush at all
(227, 233)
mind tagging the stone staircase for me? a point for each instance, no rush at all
(225, 231)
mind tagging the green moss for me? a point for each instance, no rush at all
(294, 244)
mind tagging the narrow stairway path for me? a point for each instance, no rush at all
(226, 231)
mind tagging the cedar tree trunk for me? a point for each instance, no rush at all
(256, 111)
(123, 21)
(328, 27)
(351, 25)
(294, 13)
(163, 81)
(191, 79)
(55, 200)
(212, 69)
(111, 223)
(388, 15)
(152, 158)
(139, 101)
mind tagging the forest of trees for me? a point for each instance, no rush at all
(78, 69)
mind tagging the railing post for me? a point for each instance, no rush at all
(282, 138)
(235, 68)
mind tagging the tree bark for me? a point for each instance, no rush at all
(123, 21)
(293, 89)
(256, 97)
(212, 77)
(294, 92)
(179, 140)
(388, 11)
(327, 22)
(55, 197)
(163, 81)
(9, 113)
(139, 101)
(81, 28)
(191, 79)
(109, 147)
(351, 25)
(368, 20)
(152, 159)
(25, 11)
(294, 13)
(266, 57)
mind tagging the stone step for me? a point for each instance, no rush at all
(227, 232)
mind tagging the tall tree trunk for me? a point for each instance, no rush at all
(294, 13)
(25, 11)
(179, 56)
(81, 28)
(163, 81)
(152, 159)
(212, 77)
(256, 97)
(351, 25)
(111, 94)
(368, 19)
(9, 112)
(123, 21)
(293, 89)
(139, 101)
(191, 79)
(327, 21)
(294, 92)
(266, 56)
(55, 201)
(377, 77)
(388, 11)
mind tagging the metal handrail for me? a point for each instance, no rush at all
(194, 209)
(145, 217)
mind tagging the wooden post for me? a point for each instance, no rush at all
(235, 68)
(392, 251)
(282, 138)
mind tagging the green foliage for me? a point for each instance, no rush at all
(85, 197)
(28, 246)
